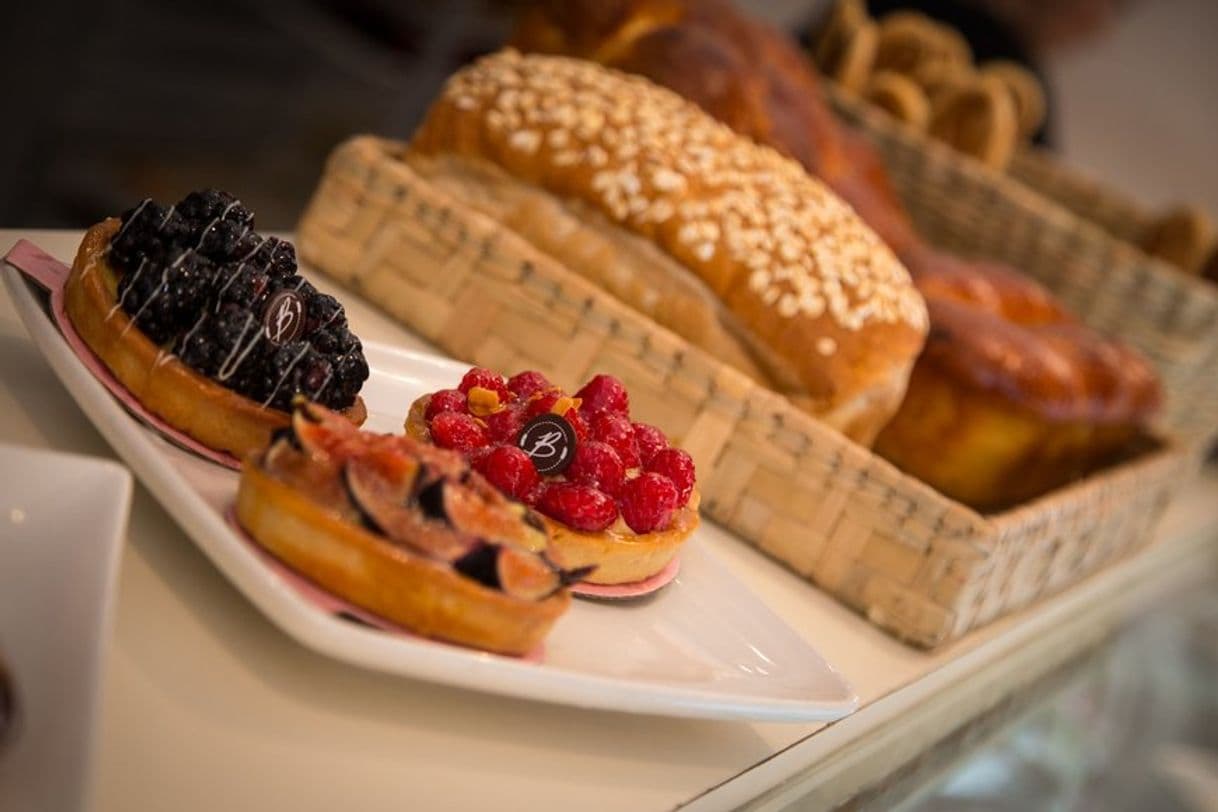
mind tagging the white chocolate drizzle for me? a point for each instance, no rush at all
(234, 360)
(286, 372)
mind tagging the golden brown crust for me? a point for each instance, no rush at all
(621, 556)
(999, 332)
(214, 415)
(984, 449)
(425, 596)
(789, 259)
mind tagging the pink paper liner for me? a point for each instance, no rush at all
(332, 604)
(634, 589)
(53, 275)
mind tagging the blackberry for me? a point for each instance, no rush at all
(241, 283)
(277, 257)
(282, 373)
(335, 340)
(352, 368)
(220, 239)
(323, 312)
(237, 334)
(218, 222)
(176, 232)
(206, 205)
(325, 342)
(165, 303)
(350, 372)
(315, 374)
(200, 349)
(138, 234)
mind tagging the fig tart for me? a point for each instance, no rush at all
(404, 530)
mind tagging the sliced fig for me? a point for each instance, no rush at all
(480, 565)
(284, 434)
(432, 502)
(490, 516)
(440, 460)
(322, 433)
(383, 510)
(318, 476)
(529, 576)
(574, 576)
(526, 575)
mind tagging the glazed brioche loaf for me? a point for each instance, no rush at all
(724, 241)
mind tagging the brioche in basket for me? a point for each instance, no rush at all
(1012, 396)
(725, 242)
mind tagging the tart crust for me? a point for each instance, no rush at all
(214, 415)
(427, 597)
(621, 556)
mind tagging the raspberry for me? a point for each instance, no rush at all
(479, 376)
(545, 403)
(582, 507)
(650, 440)
(504, 425)
(510, 470)
(598, 465)
(615, 429)
(446, 400)
(578, 423)
(677, 466)
(457, 431)
(648, 501)
(524, 384)
(477, 456)
(604, 393)
(542, 403)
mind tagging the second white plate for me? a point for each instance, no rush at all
(704, 646)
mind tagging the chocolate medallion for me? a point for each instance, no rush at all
(549, 440)
(283, 318)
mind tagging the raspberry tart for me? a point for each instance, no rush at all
(613, 493)
(208, 324)
(404, 530)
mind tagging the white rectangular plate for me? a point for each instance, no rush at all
(703, 647)
(62, 521)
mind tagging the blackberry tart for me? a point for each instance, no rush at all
(405, 530)
(613, 493)
(208, 324)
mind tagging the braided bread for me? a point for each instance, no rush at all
(1012, 395)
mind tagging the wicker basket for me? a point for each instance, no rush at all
(921, 566)
(1084, 196)
(961, 205)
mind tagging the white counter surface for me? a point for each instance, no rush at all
(207, 706)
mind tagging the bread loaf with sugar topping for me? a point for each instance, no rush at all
(724, 241)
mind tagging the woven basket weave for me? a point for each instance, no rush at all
(1084, 196)
(921, 566)
(961, 205)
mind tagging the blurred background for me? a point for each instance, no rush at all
(114, 100)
